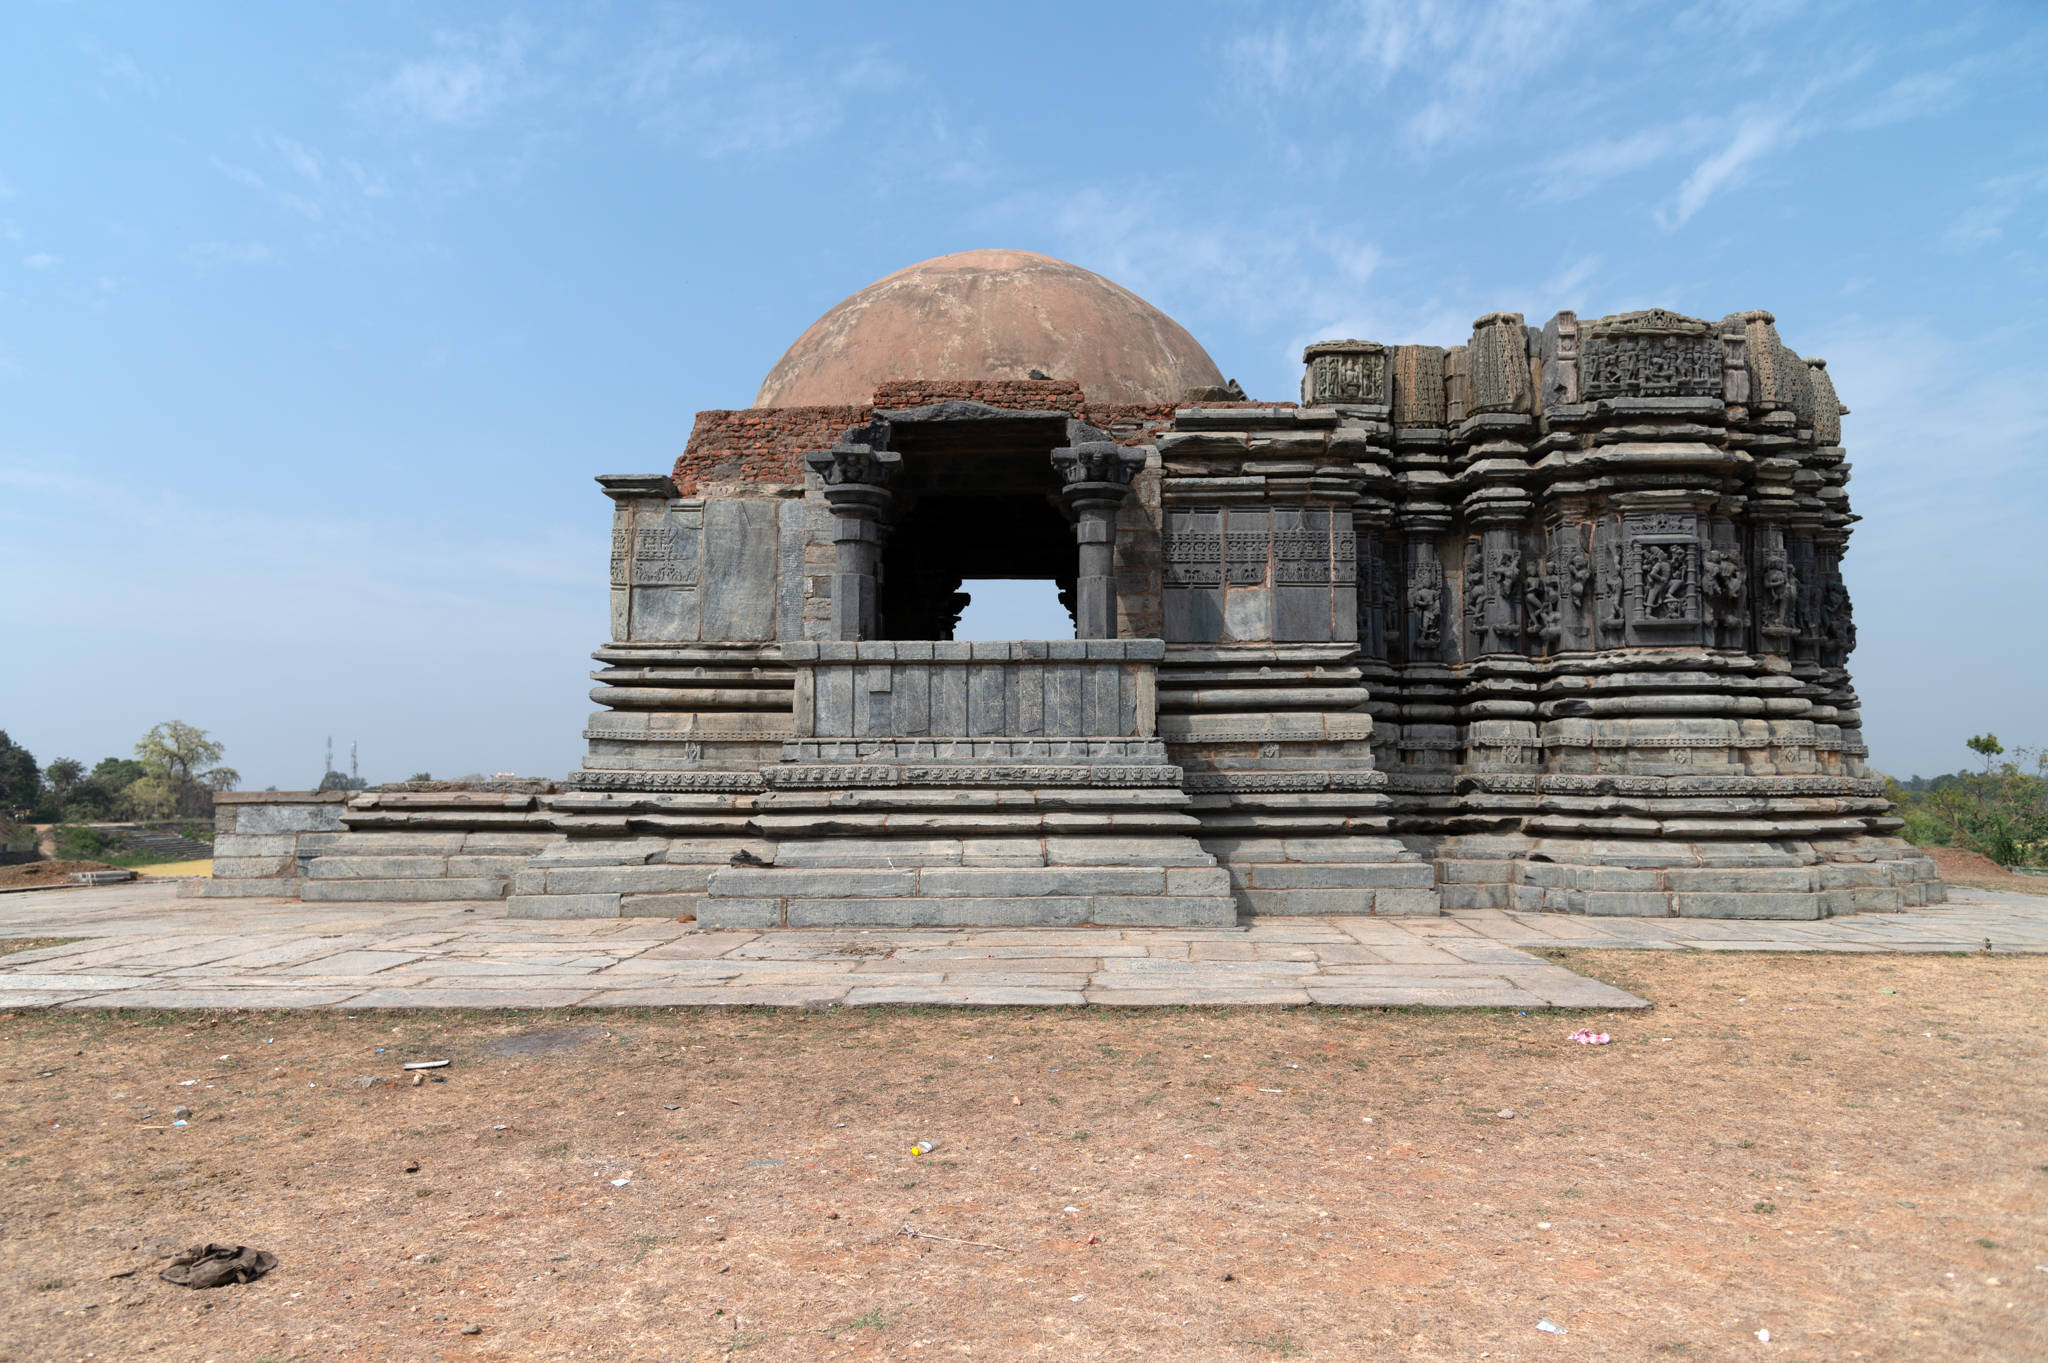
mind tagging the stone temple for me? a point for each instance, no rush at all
(1552, 619)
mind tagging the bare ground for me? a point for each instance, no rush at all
(23, 873)
(1844, 1151)
(1979, 872)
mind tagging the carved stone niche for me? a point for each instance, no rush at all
(1560, 357)
(1828, 410)
(1661, 572)
(1457, 386)
(1777, 378)
(1649, 354)
(1379, 599)
(1610, 591)
(1838, 619)
(1425, 601)
(1351, 372)
(1562, 602)
(1417, 387)
(1776, 596)
(1724, 585)
(1497, 365)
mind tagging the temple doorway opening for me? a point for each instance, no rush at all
(1004, 608)
(977, 498)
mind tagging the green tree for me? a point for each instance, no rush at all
(2003, 812)
(181, 771)
(62, 776)
(21, 781)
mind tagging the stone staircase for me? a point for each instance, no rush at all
(168, 845)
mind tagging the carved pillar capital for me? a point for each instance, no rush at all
(856, 474)
(1097, 478)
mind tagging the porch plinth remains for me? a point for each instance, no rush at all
(1552, 620)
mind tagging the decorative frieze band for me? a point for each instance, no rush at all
(801, 776)
(725, 781)
(1278, 782)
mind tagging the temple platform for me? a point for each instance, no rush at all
(140, 947)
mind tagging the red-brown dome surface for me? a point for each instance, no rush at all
(991, 315)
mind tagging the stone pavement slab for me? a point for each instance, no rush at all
(143, 948)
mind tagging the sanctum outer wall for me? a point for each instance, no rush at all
(1553, 620)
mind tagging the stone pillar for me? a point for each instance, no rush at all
(856, 473)
(1097, 476)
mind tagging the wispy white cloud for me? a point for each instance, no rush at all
(1754, 136)
(2001, 198)
(231, 253)
(308, 182)
(726, 95)
(469, 80)
(1586, 167)
(42, 260)
(1457, 63)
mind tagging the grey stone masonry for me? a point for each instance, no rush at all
(1553, 620)
(1060, 688)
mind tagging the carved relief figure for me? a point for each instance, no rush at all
(1657, 581)
(1780, 595)
(1580, 569)
(1612, 614)
(1502, 620)
(1426, 602)
(1475, 583)
(1840, 627)
(1723, 580)
(1549, 602)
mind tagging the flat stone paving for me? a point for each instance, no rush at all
(145, 949)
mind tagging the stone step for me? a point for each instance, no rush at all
(937, 911)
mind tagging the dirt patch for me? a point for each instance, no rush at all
(1842, 1150)
(1980, 872)
(550, 1041)
(10, 945)
(48, 872)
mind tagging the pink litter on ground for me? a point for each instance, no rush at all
(1587, 1037)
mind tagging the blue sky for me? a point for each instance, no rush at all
(316, 321)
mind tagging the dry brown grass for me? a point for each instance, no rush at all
(1844, 1150)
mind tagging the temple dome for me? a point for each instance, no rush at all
(991, 315)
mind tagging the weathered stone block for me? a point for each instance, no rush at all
(1407, 902)
(1305, 903)
(751, 883)
(260, 819)
(659, 905)
(1013, 882)
(1464, 896)
(1621, 904)
(246, 868)
(1326, 876)
(376, 891)
(1792, 906)
(562, 906)
(936, 911)
(739, 913)
(628, 879)
(485, 866)
(1165, 911)
(375, 868)
(1742, 880)
(400, 844)
(1474, 872)
(237, 845)
(1211, 881)
(283, 887)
